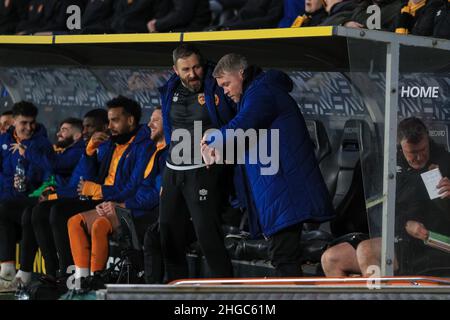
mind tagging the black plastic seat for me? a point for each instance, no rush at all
(322, 149)
(319, 137)
(343, 176)
(125, 246)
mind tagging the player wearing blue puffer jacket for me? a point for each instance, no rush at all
(192, 103)
(26, 134)
(69, 147)
(95, 226)
(112, 166)
(67, 152)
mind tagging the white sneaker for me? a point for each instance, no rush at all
(9, 285)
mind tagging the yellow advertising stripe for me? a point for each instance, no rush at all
(173, 37)
(259, 34)
(118, 38)
(26, 39)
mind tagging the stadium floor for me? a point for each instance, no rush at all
(7, 296)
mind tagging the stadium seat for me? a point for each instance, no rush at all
(314, 241)
(343, 176)
(319, 137)
(126, 248)
(322, 149)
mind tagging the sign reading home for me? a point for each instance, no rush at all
(419, 92)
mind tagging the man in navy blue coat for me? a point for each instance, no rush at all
(292, 191)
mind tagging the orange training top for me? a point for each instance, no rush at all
(151, 163)
(117, 155)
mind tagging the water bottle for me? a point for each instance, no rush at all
(83, 197)
(21, 293)
(20, 174)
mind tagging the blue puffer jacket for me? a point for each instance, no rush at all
(59, 164)
(37, 143)
(297, 191)
(82, 169)
(147, 195)
(130, 170)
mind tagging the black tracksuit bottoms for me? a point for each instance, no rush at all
(285, 251)
(12, 218)
(192, 194)
(49, 220)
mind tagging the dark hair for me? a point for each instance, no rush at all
(185, 50)
(100, 117)
(24, 108)
(130, 107)
(157, 108)
(74, 122)
(7, 113)
(412, 129)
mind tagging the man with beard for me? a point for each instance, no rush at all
(72, 137)
(67, 151)
(189, 189)
(112, 166)
(89, 231)
(13, 196)
(69, 147)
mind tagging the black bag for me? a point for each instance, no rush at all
(126, 234)
(39, 290)
(241, 248)
(314, 243)
(131, 264)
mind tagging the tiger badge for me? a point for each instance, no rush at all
(216, 100)
(201, 99)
